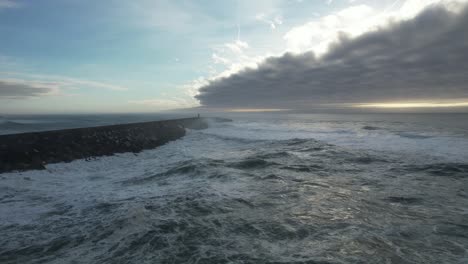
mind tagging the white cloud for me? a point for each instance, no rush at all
(319, 33)
(8, 4)
(272, 21)
(353, 21)
(166, 103)
(92, 84)
(219, 60)
(233, 56)
(237, 46)
(184, 98)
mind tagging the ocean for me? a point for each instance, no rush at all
(264, 188)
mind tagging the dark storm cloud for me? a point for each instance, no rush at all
(423, 58)
(18, 90)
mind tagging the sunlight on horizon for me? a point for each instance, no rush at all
(413, 105)
(246, 110)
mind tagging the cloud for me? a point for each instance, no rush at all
(8, 4)
(165, 103)
(63, 82)
(316, 35)
(19, 89)
(273, 22)
(357, 19)
(14, 85)
(219, 60)
(237, 46)
(423, 58)
(72, 82)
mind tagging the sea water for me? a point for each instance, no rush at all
(265, 188)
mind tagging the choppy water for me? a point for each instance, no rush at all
(283, 189)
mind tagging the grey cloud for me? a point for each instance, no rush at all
(421, 59)
(18, 90)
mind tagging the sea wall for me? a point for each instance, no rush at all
(27, 151)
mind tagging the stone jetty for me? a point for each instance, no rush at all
(29, 151)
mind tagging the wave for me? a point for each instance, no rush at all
(437, 145)
(413, 135)
(191, 168)
(453, 170)
(371, 128)
(8, 124)
(252, 163)
(403, 200)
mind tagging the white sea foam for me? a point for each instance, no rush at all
(389, 137)
(85, 182)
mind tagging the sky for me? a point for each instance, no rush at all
(116, 56)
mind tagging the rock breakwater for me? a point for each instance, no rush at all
(27, 151)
